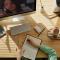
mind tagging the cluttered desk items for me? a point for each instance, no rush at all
(54, 33)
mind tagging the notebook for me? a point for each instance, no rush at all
(30, 52)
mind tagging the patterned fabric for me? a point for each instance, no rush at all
(51, 52)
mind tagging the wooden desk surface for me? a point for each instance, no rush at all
(47, 41)
(19, 39)
(8, 48)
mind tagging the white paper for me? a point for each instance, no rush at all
(30, 51)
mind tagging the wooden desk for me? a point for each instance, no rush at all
(9, 47)
(19, 39)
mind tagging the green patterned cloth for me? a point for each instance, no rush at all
(51, 52)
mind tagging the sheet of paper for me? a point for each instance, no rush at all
(30, 51)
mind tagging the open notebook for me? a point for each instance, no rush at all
(30, 52)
